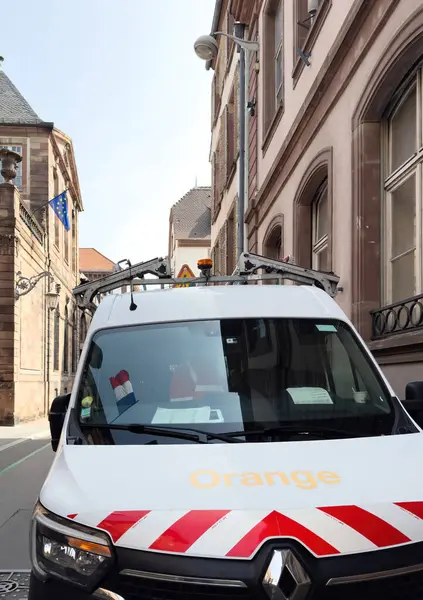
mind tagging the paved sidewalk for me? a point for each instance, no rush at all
(32, 430)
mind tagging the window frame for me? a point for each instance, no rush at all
(66, 342)
(56, 340)
(19, 171)
(55, 217)
(311, 37)
(273, 99)
(322, 243)
(357, 353)
(392, 181)
(231, 136)
(279, 55)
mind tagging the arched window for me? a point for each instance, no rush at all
(386, 219)
(56, 339)
(313, 215)
(273, 240)
(320, 229)
(403, 197)
(66, 343)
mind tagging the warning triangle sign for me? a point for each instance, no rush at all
(184, 273)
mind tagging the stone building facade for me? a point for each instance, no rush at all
(224, 154)
(38, 350)
(336, 156)
(189, 230)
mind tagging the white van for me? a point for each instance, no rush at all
(148, 498)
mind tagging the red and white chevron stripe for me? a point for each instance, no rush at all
(324, 531)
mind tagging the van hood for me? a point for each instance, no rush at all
(225, 500)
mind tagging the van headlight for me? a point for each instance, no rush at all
(68, 551)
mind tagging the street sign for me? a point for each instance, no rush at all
(184, 273)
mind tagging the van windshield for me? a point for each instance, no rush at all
(231, 375)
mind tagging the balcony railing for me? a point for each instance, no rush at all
(31, 222)
(399, 317)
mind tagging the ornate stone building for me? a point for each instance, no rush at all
(335, 155)
(38, 261)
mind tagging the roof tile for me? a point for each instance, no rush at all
(13, 106)
(91, 259)
(191, 215)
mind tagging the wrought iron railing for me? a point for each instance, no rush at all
(399, 317)
(31, 222)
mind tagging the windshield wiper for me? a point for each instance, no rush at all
(317, 430)
(202, 438)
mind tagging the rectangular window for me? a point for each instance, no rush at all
(66, 343)
(309, 17)
(278, 23)
(66, 236)
(74, 240)
(230, 243)
(18, 178)
(302, 25)
(230, 133)
(215, 186)
(74, 345)
(229, 43)
(273, 61)
(403, 177)
(56, 340)
(56, 218)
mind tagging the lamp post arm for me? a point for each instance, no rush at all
(244, 44)
(25, 284)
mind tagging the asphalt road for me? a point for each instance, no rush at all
(24, 464)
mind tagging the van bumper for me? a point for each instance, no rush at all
(391, 573)
(57, 590)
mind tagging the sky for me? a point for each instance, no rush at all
(123, 81)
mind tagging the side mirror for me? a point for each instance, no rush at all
(413, 402)
(56, 418)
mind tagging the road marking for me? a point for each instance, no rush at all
(21, 460)
(41, 435)
(11, 444)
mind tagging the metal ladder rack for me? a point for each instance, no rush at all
(247, 271)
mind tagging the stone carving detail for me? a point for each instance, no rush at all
(9, 164)
(8, 244)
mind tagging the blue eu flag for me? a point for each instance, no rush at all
(60, 206)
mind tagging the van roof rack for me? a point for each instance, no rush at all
(251, 268)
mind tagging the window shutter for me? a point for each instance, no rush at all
(215, 188)
(221, 160)
(231, 132)
(213, 100)
(225, 124)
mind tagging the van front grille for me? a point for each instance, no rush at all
(407, 586)
(140, 588)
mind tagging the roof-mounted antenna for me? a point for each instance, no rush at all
(132, 306)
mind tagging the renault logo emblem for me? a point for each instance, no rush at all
(285, 578)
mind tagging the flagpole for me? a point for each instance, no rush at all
(47, 203)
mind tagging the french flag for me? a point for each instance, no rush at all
(122, 387)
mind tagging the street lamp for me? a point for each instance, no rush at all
(52, 298)
(24, 285)
(207, 49)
